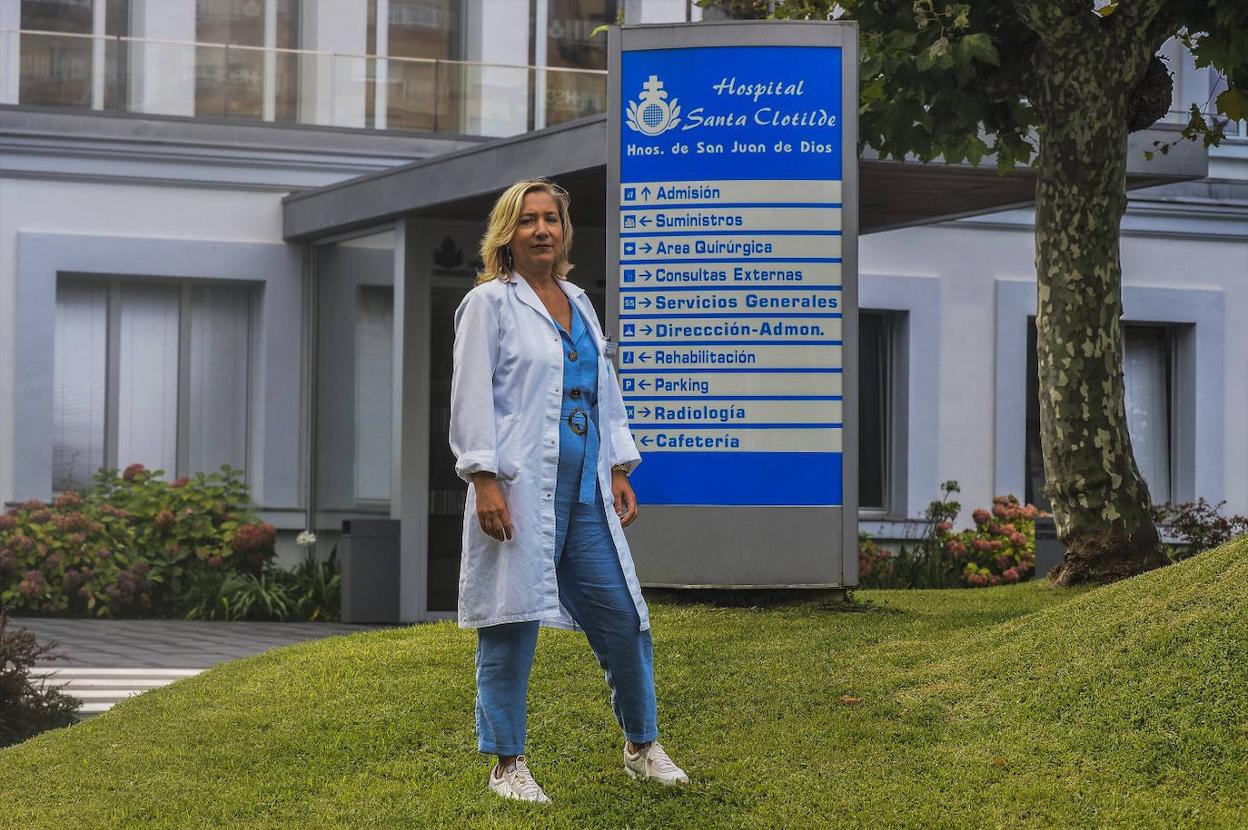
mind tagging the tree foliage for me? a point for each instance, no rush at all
(957, 80)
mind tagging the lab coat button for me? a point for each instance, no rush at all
(572, 356)
(575, 393)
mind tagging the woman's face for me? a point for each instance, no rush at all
(538, 239)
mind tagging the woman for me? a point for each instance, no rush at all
(538, 431)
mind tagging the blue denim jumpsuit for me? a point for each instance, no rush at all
(591, 584)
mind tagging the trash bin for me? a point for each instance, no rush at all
(1049, 550)
(369, 557)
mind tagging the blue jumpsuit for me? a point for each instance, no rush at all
(591, 584)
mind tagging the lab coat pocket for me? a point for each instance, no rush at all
(510, 446)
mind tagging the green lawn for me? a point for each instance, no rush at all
(1021, 706)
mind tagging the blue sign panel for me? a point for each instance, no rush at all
(730, 273)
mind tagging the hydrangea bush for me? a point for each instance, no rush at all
(131, 545)
(999, 549)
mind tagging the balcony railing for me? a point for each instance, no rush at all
(293, 86)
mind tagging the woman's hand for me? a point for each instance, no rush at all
(625, 499)
(492, 512)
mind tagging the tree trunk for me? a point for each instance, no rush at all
(1100, 502)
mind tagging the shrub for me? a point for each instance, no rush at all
(27, 709)
(1000, 548)
(310, 592)
(1199, 526)
(131, 545)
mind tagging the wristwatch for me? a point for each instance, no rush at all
(623, 468)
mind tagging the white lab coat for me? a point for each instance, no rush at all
(506, 396)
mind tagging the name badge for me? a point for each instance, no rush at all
(609, 346)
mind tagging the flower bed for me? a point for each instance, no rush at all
(999, 549)
(131, 545)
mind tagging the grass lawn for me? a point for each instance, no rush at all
(1021, 706)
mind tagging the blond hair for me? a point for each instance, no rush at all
(505, 218)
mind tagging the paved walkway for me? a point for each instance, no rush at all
(108, 660)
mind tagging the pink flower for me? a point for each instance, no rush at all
(1018, 540)
(1004, 561)
(7, 522)
(260, 536)
(944, 527)
(981, 516)
(33, 584)
(981, 545)
(955, 548)
(999, 510)
(68, 499)
(994, 580)
(1010, 575)
(215, 561)
(133, 471)
(977, 580)
(179, 483)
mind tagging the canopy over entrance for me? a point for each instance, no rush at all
(463, 185)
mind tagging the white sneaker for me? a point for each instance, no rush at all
(652, 764)
(517, 782)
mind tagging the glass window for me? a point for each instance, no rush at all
(569, 44)
(1147, 377)
(147, 416)
(56, 70)
(59, 70)
(229, 82)
(416, 90)
(374, 391)
(875, 380)
(81, 347)
(354, 380)
(136, 353)
(219, 376)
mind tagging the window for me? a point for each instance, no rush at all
(374, 391)
(60, 70)
(570, 44)
(1148, 361)
(419, 94)
(353, 450)
(876, 404)
(156, 373)
(230, 82)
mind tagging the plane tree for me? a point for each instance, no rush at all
(1058, 84)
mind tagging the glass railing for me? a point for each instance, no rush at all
(292, 86)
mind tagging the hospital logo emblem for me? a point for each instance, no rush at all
(651, 114)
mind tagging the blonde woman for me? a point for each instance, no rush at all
(539, 433)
